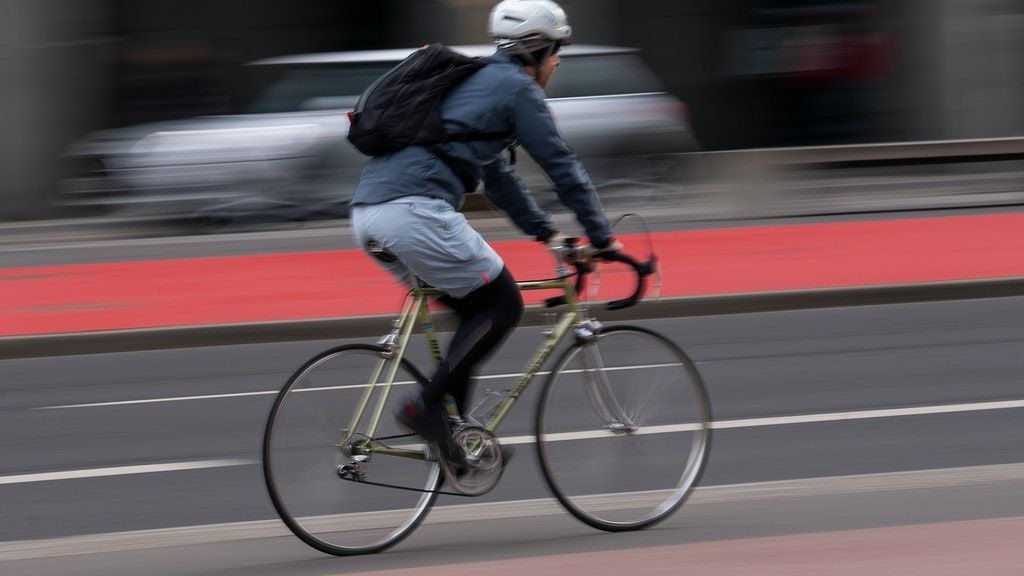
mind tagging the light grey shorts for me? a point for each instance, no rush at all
(432, 240)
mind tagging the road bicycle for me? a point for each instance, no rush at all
(622, 425)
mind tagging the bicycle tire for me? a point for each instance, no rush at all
(301, 452)
(592, 440)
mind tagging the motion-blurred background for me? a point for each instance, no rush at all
(833, 190)
(752, 73)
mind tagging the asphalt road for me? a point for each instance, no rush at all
(187, 425)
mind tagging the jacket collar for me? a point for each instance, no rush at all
(502, 57)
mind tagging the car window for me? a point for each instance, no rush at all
(291, 88)
(294, 88)
(602, 74)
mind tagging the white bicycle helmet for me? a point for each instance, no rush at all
(525, 26)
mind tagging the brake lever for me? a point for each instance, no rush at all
(582, 269)
(642, 269)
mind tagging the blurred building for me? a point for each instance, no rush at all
(51, 85)
(754, 72)
(69, 67)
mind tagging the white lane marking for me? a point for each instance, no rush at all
(703, 495)
(565, 436)
(156, 400)
(864, 414)
(780, 420)
(770, 421)
(686, 427)
(583, 435)
(602, 433)
(121, 471)
(318, 389)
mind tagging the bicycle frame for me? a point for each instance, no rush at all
(601, 365)
(416, 312)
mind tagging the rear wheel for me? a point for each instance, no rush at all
(314, 457)
(623, 428)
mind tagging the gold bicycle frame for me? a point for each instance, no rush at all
(415, 312)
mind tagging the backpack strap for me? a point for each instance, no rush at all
(461, 169)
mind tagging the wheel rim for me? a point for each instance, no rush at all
(622, 452)
(301, 456)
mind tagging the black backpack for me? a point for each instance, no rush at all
(403, 107)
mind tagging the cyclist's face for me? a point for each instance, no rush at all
(548, 68)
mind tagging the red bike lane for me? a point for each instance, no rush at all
(343, 283)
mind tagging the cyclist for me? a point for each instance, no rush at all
(405, 209)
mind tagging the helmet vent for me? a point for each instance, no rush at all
(514, 19)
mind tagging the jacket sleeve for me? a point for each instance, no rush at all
(506, 190)
(536, 131)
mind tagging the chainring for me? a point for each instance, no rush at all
(484, 464)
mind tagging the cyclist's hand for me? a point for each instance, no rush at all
(589, 251)
(558, 244)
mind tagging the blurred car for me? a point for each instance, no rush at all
(285, 157)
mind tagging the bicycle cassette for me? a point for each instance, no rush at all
(484, 462)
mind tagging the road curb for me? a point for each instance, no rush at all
(373, 326)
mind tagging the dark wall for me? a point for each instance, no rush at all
(753, 72)
(182, 58)
(777, 72)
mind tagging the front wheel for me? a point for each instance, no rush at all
(623, 428)
(319, 457)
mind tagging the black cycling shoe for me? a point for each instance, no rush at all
(430, 422)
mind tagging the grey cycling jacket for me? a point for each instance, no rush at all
(498, 98)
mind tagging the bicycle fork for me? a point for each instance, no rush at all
(599, 389)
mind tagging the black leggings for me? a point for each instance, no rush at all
(487, 316)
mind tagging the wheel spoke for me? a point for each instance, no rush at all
(316, 424)
(588, 427)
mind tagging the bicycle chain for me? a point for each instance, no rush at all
(396, 486)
